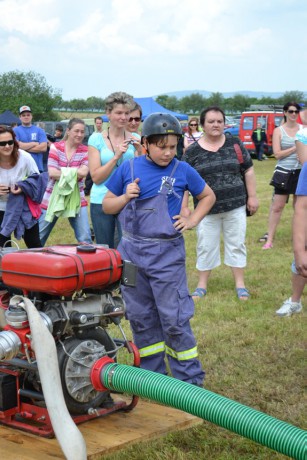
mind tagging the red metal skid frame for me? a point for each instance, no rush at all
(35, 419)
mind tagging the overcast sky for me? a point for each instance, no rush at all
(151, 47)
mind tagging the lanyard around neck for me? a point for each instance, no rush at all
(108, 136)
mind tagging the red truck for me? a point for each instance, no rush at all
(269, 121)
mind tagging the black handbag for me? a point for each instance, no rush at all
(282, 178)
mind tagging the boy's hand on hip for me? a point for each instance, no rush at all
(182, 223)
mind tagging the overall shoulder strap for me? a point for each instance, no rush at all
(167, 185)
(174, 168)
(131, 162)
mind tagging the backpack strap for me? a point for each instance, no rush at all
(239, 153)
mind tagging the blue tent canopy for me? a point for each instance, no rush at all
(149, 105)
(7, 118)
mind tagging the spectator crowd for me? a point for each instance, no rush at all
(138, 188)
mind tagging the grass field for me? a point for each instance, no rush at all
(249, 354)
(83, 115)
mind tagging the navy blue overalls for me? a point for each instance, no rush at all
(159, 307)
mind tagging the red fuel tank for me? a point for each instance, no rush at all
(62, 270)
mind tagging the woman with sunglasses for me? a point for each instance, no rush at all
(135, 118)
(106, 151)
(293, 304)
(193, 134)
(134, 121)
(15, 166)
(284, 149)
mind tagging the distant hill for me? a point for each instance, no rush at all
(256, 94)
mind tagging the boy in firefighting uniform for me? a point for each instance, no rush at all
(147, 192)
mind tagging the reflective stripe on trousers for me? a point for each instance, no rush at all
(160, 347)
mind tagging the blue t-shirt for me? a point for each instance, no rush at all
(301, 188)
(301, 136)
(97, 141)
(153, 176)
(32, 134)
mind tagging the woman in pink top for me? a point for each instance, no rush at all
(68, 153)
(193, 134)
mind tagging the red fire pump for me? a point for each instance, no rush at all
(72, 287)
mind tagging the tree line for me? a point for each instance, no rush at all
(18, 88)
(194, 103)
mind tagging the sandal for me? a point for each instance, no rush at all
(263, 238)
(267, 246)
(199, 292)
(242, 293)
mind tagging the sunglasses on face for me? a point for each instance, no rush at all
(193, 124)
(4, 143)
(293, 111)
(136, 119)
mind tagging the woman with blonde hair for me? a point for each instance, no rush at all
(107, 151)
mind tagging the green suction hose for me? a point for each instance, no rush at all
(245, 421)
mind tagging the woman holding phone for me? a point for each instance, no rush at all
(106, 151)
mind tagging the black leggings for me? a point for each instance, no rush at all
(30, 237)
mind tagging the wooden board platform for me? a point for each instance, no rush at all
(102, 436)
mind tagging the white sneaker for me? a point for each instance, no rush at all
(289, 307)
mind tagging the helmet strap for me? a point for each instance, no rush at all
(148, 153)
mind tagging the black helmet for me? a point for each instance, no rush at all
(161, 123)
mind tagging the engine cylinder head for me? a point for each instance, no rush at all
(9, 345)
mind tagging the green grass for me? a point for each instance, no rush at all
(249, 354)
